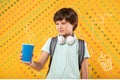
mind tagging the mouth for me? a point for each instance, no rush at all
(61, 31)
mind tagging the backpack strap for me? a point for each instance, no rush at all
(52, 48)
(81, 52)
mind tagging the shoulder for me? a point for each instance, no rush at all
(54, 37)
(49, 40)
(81, 41)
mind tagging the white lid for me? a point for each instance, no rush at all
(27, 44)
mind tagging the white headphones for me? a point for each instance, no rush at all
(69, 40)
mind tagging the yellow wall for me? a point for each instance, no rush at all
(31, 21)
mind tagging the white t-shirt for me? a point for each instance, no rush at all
(64, 64)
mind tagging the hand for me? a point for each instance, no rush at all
(27, 63)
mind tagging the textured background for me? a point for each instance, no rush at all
(31, 21)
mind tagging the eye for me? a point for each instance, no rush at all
(63, 23)
(57, 23)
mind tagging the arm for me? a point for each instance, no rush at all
(41, 62)
(84, 69)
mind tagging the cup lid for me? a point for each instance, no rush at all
(27, 44)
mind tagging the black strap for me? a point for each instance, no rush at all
(81, 52)
(52, 48)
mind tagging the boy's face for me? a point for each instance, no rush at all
(64, 28)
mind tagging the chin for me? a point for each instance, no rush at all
(62, 34)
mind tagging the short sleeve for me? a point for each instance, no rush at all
(86, 52)
(46, 46)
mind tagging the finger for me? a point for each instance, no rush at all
(27, 63)
(20, 55)
(20, 58)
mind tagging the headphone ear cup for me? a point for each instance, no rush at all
(61, 39)
(70, 40)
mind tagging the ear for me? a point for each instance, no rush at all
(74, 24)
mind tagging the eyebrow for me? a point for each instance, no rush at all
(62, 21)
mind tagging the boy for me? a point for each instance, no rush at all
(64, 63)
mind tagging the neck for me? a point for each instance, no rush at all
(65, 36)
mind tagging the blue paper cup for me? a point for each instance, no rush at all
(27, 52)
